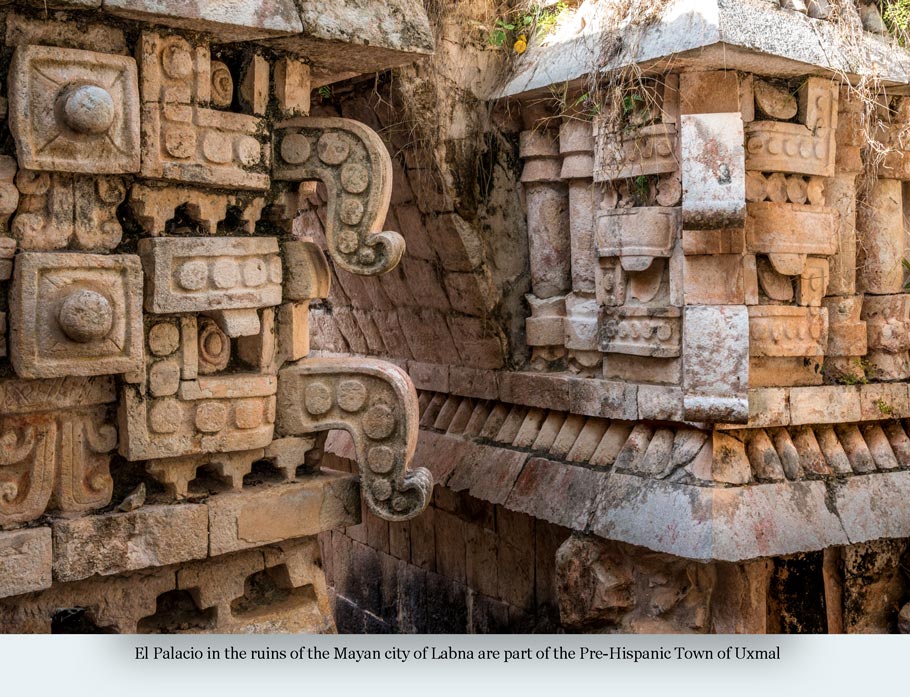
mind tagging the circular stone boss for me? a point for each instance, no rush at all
(85, 315)
(88, 109)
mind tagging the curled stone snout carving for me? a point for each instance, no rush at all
(376, 403)
(353, 163)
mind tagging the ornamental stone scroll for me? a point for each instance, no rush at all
(353, 163)
(376, 403)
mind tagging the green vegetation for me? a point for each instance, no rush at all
(896, 14)
(521, 23)
(883, 407)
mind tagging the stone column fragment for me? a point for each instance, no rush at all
(548, 215)
(576, 145)
(880, 243)
(716, 363)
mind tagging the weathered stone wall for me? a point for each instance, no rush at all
(464, 566)
(709, 376)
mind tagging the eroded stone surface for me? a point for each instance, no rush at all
(74, 111)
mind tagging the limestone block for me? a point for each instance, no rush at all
(9, 198)
(781, 188)
(840, 194)
(74, 111)
(888, 335)
(804, 148)
(713, 170)
(7, 252)
(726, 241)
(823, 405)
(637, 235)
(641, 331)
(880, 239)
(576, 145)
(715, 279)
(529, 389)
(201, 274)
(769, 407)
(774, 371)
(25, 561)
(716, 363)
(44, 30)
(774, 285)
(176, 473)
(611, 399)
(57, 211)
(254, 86)
(183, 141)
(293, 331)
(779, 330)
(75, 314)
(111, 603)
(229, 591)
(478, 342)
(292, 86)
(549, 241)
(306, 271)
(429, 376)
(888, 322)
(788, 233)
(540, 151)
(846, 331)
(716, 92)
(213, 414)
(885, 400)
(353, 163)
(648, 150)
(660, 403)
(774, 102)
(813, 282)
(390, 34)
(610, 282)
(581, 323)
(117, 542)
(377, 404)
(229, 21)
(471, 382)
(581, 231)
(642, 369)
(717, 523)
(155, 206)
(545, 326)
(274, 513)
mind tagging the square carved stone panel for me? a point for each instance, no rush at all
(74, 111)
(76, 314)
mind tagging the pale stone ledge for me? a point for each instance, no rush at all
(723, 495)
(269, 514)
(746, 35)
(769, 407)
(118, 542)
